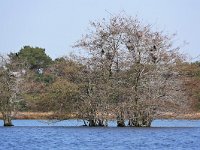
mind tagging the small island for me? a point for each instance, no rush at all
(128, 72)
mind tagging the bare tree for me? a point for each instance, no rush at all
(137, 68)
(10, 80)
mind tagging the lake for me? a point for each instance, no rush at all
(37, 135)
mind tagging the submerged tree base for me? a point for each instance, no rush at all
(120, 123)
(140, 122)
(8, 125)
(95, 123)
(7, 120)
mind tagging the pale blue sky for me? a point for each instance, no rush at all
(56, 24)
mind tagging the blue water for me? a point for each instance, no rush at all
(37, 135)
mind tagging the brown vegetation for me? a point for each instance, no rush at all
(51, 115)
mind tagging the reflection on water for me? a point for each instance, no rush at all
(33, 134)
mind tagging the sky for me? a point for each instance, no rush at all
(57, 24)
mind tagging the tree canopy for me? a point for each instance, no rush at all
(35, 57)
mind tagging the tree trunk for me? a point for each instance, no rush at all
(120, 123)
(97, 123)
(140, 120)
(92, 123)
(120, 120)
(102, 123)
(7, 120)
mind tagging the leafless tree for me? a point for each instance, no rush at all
(10, 88)
(131, 71)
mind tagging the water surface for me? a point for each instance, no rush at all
(37, 135)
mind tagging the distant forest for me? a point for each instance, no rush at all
(129, 72)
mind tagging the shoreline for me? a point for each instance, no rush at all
(50, 115)
(185, 116)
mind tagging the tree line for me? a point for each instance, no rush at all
(129, 72)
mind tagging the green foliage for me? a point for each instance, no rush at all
(47, 79)
(61, 96)
(196, 95)
(197, 80)
(34, 56)
(23, 106)
(191, 78)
